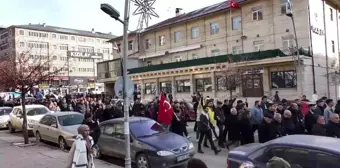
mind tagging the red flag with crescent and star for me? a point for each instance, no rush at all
(233, 4)
(165, 111)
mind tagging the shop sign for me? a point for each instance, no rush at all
(78, 80)
(317, 31)
(79, 54)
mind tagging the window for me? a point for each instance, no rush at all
(105, 51)
(73, 38)
(215, 52)
(118, 48)
(224, 83)
(22, 44)
(149, 63)
(130, 45)
(294, 156)
(55, 47)
(237, 50)
(203, 85)
(54, 35)
(73, 48)
(161, 40)
(165, 87)
(37, 34)
(236, 22)
(177, 36)
(333, 46)
(86, 49)
(146, 128)
(81, 39)
(22, 32)
(283, 79)
(183, 86)
(287, 43)
(150, 88)
(327, 160)
(194, 56)
(147, 44)
(109, 129)
(119, 131)
(258, 45)
(63, 37)
(285, 6)
(214, 28)
(257, 13)
(38, 45)
(331, 13)
(178, 58)
(63, 47)
(195, 32)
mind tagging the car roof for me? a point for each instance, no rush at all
(308, 141)
(131, 120)
(57, 114)
(30, 106)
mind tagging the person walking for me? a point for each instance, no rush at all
(80, 155)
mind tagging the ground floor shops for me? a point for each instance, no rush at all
(258, 77)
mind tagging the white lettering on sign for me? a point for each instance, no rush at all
(80, 54)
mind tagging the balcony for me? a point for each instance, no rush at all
(212, 60)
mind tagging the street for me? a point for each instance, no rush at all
(48, 155)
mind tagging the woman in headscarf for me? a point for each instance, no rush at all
(233, 128)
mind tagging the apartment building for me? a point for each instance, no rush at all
(191, 52)
(76, 52)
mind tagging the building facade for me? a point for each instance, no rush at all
(198, 51)
(75, 52)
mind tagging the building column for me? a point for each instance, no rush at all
(213, 84)
(142, 88)
(157, 87)
(266, 83)
(192, 87)
(173, 87)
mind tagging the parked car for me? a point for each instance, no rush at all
(4, 116)
(60, 128)
(33, 112)
(306, 151)
(151, 144)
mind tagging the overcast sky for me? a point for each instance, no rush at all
(85, 14)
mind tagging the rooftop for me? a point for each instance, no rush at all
(47, 28)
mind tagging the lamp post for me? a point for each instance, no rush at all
(290, 14)
(108, 9)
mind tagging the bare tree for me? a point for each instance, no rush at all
(231, 73)
(24, 71)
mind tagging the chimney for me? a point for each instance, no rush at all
(44, 24)
(178, 11)
(92, 30)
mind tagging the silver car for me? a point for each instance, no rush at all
(60, 128)
(4, 116)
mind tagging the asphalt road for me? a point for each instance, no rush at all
(212, 160)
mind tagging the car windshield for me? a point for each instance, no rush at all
(5, 111)
(71, 119)
(37, 111)
(146, 128)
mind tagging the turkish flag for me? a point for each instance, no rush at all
(165, 111)
(233, 4)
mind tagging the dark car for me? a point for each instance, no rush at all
(306, 151)
(151, 145)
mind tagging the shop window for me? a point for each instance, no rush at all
(224, 84)
(283, 79)
(203, 85)
(165, 87)
(150, 88)
(183, 86)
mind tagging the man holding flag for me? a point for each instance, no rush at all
(165, 112)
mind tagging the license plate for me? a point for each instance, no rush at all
(183, 157)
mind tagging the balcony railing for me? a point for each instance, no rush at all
(212, 60)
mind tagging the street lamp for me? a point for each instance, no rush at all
(289, 13)
(112, 12)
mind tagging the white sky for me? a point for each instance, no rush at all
(85, 14)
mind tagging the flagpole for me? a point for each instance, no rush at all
(231, 28)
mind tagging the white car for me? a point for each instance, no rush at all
(33, 112)
(4, 116)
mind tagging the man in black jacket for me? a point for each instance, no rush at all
(266, 131)
(333, 127)
(319, 128)
(219, 117)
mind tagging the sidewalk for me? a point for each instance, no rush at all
(37, 156)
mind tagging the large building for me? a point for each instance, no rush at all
(193, 52)
(76, 52)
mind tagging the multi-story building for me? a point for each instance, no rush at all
(76, 52)
(193, 52)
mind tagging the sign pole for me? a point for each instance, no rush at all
(125, 81)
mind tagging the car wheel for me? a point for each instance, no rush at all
(10, 128)
(142, 161)
(96, 152)
(62, 143)
(38, 138)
